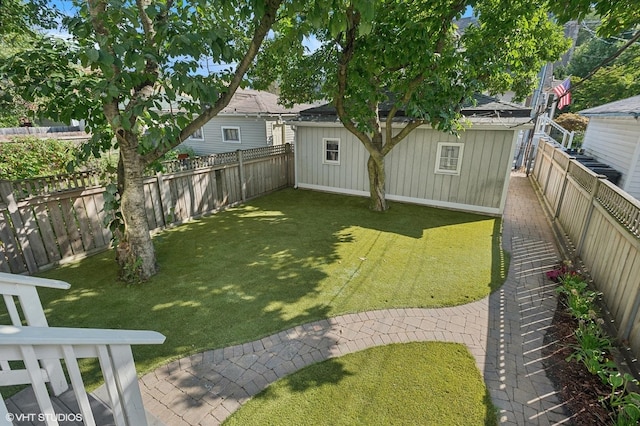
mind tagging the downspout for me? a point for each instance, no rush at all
(283, 131)
(295, 156)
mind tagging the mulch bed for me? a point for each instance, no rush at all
(580, 389)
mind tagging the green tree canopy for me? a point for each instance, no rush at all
(20, 23)
(589, 55)
(609, 84)
(616, 80)
(391, 57)
(616, 15)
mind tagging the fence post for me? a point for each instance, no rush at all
(6, 192)
(287, 155)
(587, 222)
(243, 184)
(165, 200)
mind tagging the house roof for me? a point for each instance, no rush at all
(69, 133)
(255, 102)
(486, 109)
(629, 107)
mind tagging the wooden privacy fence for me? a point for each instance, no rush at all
(602, 222)
(46, 221)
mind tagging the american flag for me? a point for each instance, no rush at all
(563, 93)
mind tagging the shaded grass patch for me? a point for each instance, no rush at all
(427, 383)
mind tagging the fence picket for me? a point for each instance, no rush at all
(46, 233)
(10, 259)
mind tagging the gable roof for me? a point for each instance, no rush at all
(256, 102)
(629, 107)
(486, 107)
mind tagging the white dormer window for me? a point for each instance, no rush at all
(231, 134)
(449, 158)
(331, 148)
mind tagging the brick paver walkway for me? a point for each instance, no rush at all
(504, 332)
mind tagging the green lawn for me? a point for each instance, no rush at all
(281, 260)
(395, 384)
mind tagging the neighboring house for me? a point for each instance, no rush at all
(613, 138)
(429, 167)
(253, 119)
(71, 133)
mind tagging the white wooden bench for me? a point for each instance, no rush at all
(23, 305)
(40, 348)
(112, 348)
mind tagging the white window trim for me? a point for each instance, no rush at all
(441, 145)
(324, 151)
(198, 138)
(223, 128)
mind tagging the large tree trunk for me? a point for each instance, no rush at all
(375, 166)
(135, 252)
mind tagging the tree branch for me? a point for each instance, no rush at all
(261, 30)
(395, 140)
(348, 49)
(97, 9)
(391, 140)
(145, 89)
(267, 20)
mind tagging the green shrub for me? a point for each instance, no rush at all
(580, 299)
(592, 347)
(29, 157)
(625, 403)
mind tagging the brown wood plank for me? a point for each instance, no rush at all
(18, 226)
(94, 218)
(197, 201)
(157, 204)
(14, 260)
(106, 233)
(71, 223)
(48, 235)
(148, 208)
(60, 229)
(164, 191)
(177, 209)
(182, 185)
(84, 224)
(37, 244)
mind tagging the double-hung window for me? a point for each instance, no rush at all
(331, 151)
(449, 158)
(231, 134)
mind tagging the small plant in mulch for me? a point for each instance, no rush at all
(592, 347)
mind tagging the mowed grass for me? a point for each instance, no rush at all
(431, 383)
(282, 260)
